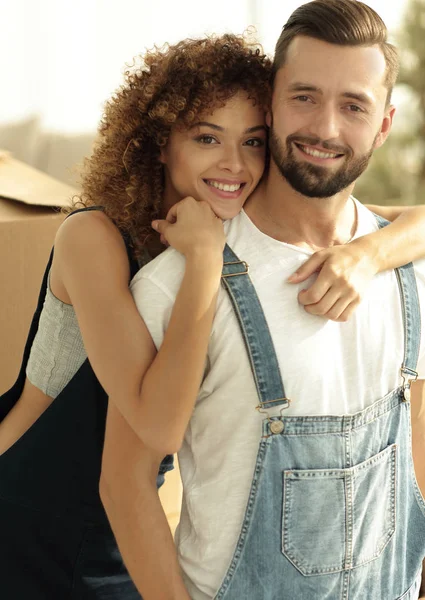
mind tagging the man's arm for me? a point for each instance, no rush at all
(130, 497)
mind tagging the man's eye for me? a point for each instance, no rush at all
(355, 108)
(302, 98)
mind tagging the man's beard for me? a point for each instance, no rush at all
(315, 181)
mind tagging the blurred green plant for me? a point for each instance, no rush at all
(396, 174)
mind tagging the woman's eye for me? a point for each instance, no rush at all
(255, 142)
(206, 139)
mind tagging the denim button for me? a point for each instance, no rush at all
(406, 393)
(276, 426)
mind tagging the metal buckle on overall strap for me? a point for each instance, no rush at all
(236, 262)
(409, 376)
(276, 425)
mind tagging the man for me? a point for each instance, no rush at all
(287, 501)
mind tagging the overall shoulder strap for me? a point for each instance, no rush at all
(411, 318)
(255, 331)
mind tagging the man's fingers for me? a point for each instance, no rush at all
(308, 268)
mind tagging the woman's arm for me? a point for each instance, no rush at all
(391, 213)
(400, 242)
(345, 271)
(170, 386)
(129, 495)
(92, 268)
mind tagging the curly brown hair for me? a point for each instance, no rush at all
(172, 86)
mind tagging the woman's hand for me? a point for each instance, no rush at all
(192, 228)
(344, 273)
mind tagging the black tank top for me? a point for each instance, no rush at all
(53, 472)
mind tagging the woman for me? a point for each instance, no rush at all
(56, 541)
(88, 342)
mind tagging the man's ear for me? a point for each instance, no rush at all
(385, 126)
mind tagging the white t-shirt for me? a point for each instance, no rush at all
(327, 368)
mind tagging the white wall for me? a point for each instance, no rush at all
(60, 59)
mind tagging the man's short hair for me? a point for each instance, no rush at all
(340, 22)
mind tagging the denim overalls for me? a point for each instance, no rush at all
(55, 539)
(334, 511)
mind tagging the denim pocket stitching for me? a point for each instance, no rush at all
(342, 562)
(290, 555)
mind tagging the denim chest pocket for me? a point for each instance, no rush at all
(339, 519)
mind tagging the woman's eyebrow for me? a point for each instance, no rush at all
(218, 128)
(256, 128)
(207, 124)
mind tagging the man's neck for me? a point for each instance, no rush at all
(314, 223)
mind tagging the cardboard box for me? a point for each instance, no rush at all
(171, 496)
(30, 214)
(30, 203)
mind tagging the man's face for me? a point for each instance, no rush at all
(328, 114)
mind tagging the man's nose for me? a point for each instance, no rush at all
(326, 123)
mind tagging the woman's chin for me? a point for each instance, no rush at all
(226, 213)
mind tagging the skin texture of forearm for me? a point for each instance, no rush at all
(171, 384)
(146, 544)
(122, 352)
(129, 494)
(400, 242)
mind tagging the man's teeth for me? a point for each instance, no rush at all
(224, 187)
(317, 153)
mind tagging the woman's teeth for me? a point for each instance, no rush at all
(224, 187)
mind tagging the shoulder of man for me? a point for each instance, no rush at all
(419, 266)
(165, 271)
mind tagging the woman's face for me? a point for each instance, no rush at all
(220, 159)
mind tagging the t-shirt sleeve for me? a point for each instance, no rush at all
(420, 280)
(154, 306)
